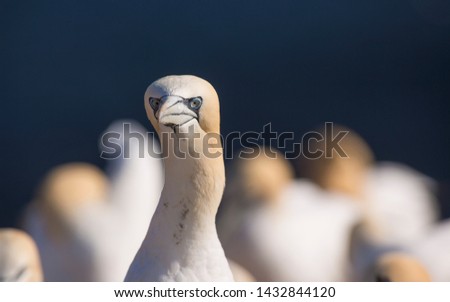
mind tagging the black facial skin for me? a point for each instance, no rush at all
(194, 104)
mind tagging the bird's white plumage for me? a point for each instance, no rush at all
(182, 243)
(399, 208)
(305, 238)
(398, 203)
(401, 204)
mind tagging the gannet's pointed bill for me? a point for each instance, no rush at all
(177, 101)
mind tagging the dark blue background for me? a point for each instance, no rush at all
(68, 68)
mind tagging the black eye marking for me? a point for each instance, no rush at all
(195, 103)
(154, 103)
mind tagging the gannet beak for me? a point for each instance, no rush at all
(174, 112)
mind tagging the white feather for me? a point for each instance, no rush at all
(401, 204)
(306, 238)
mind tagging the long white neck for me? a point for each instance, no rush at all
(190, 198)
(182, 236)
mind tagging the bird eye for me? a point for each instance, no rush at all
(154, 103)
(195, 103)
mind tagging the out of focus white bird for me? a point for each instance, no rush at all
(399, 203)
(19, 257)
(252, 182)
(372, 261)
(402, 204)
(89, 227)
(182, 243)
(288, 230)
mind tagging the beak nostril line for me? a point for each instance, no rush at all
(177, 102)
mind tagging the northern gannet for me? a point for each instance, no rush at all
(372, 261)
(88, 226)
(402, 204)
(182, 243)
(398, 203)
(431, 252)
(287, 230)
(52, 220)
(19, 257)
(252, 182)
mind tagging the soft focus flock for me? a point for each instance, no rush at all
(151, 219)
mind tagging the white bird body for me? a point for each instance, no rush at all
(397, 203)
(401, 204)
(63, 259)
(182, 242)
(324, 225)
(400, 211)
(95, 239)
(305, 238)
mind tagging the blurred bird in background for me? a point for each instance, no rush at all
(399, 205)
(19, 257)
(379, 67)
(282, 229)
(346, 219)
(87, 225)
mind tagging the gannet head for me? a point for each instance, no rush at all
(400, 267)
(176, 102)
(19, 257)
(68, 188)
(260, 177)
(70, 184)
(345, 175)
